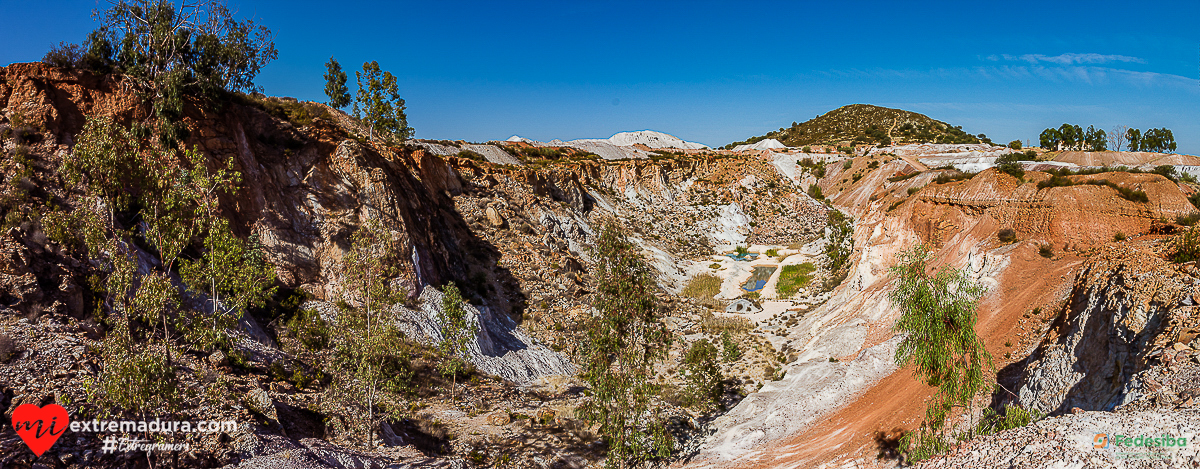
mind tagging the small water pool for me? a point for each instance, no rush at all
(758, 278)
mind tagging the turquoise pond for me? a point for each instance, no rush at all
(758, 279)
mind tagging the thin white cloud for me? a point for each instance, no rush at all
(1070, 74)
(1067, 59)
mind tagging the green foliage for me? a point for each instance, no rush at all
(624, 341)
(1014, 416)
(235, 276)
(913, 190)
(173, 197)
(1008, 164)
(938, 314)
(1155, 140)
(792, 278)
(1119, 236)
(730, 351)
(1073, 137)
(922, 444)
(772, 253)
(1015, 144)
(1187, 246)
(847, 164)
(167, 52)
(379, 105)
(841, 241)
(741, 250)
(335, 85)
(372, 368)
(814, 191)
(1189, 219)
(1046, 250)
(309, 329)
(457, 331)
(703, 376)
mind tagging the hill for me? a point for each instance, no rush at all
(864, 123)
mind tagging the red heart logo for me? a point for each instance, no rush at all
(40, 427)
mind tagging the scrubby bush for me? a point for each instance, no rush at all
(1006, 235)
(913, 190)
(814, 191)
(847, 164)
(1015, 144)
(1119, 236)
(1187, 246)
(703, 376)
(1014, 416)
(1188, 220)
(1046, 250)
(730, 351)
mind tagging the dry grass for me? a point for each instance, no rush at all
(702, 287)
(712, 324)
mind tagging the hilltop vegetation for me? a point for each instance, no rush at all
(864, 123)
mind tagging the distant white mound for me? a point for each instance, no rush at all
(768, 144)
(653, 139)
(518, 138)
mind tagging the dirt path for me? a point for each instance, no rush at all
(897, 401)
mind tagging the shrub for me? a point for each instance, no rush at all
(1055, 181)
(730, 351)
(1188, 220)
(794, 277)
(704, 381)
(1014, 417)
(703, 286)
(1007, 164)
(913, 190)
(714, 266)
(1187, 247)
(1119, 237)
(1006, 235)
(806, 149)
(814, 191)
(309, 329)
(64, 55)
(894, 205)
(772, 253)
(1015, 144)
(1046, 250)
(847, 164)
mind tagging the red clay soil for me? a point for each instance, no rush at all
(897, 402)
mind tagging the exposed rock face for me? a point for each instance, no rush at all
(1126, 303)
(499, 348)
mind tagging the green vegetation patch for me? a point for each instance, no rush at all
(794, 277)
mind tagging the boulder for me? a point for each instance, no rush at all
(498, 418)
(494, 217)
(743, 306)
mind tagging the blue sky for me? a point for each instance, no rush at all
(717, 72)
